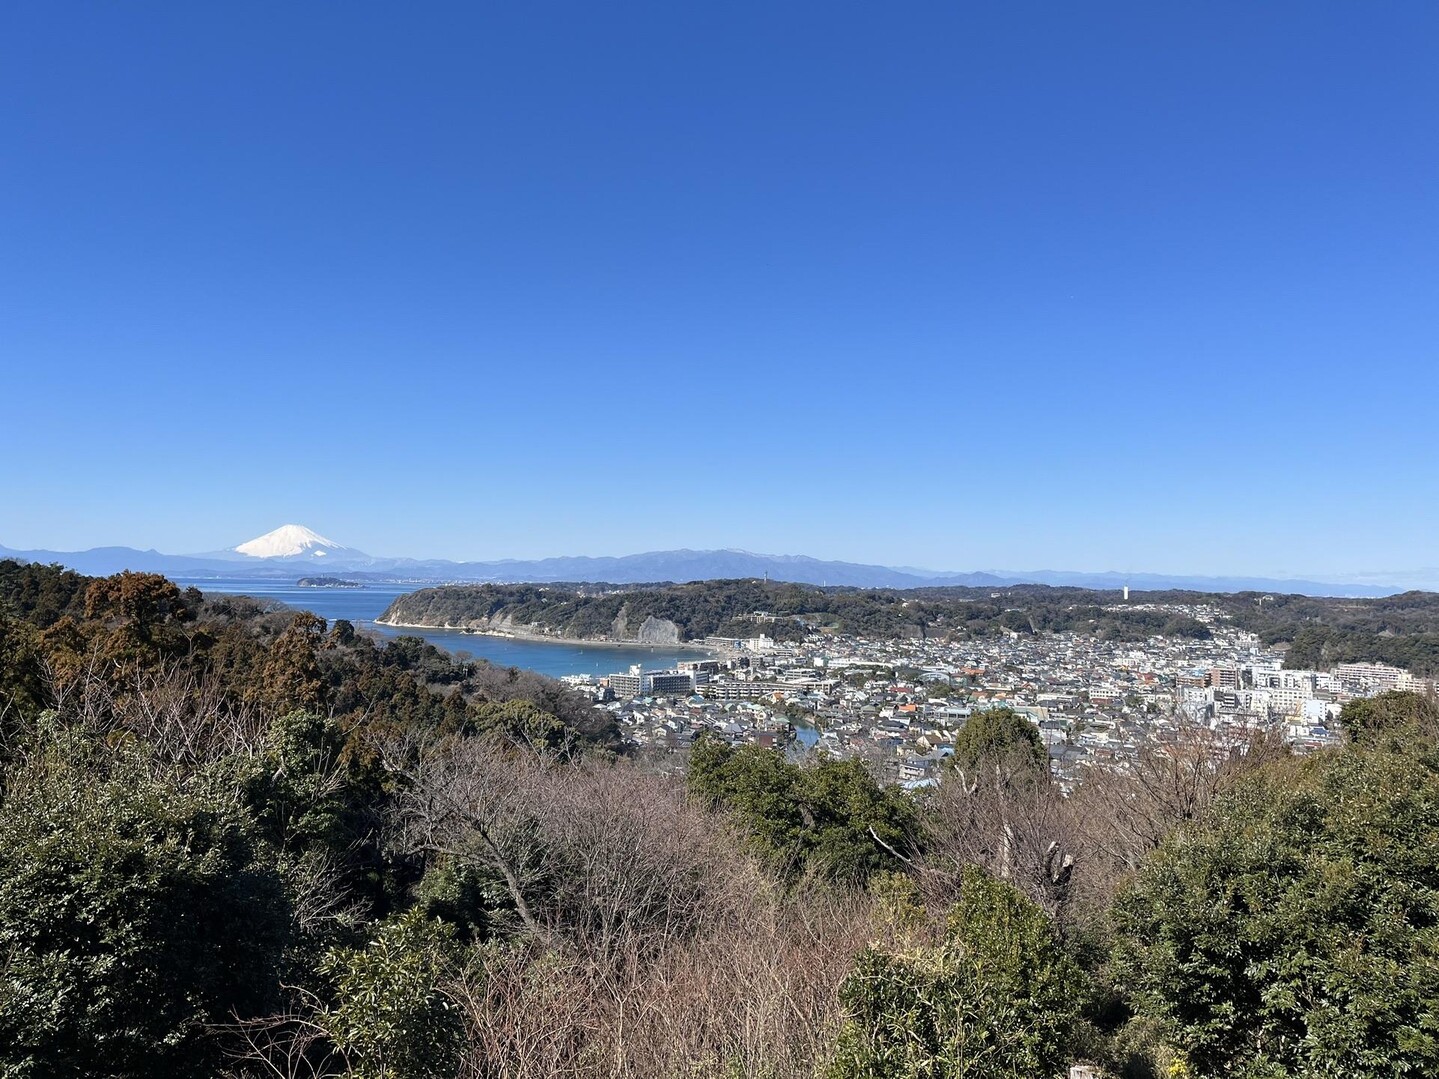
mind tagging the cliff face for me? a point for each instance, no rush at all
(652, 631)
(658, 631)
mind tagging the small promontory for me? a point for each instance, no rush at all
(326, 582)
(532, 611)
(659, 615)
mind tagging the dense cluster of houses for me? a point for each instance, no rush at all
(899, 703)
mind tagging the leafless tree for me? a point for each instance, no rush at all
(750, 995)
(290, 1044)
(649, 944)
(609, 859)
(185, 717)
(1125, 810)
(1009, 818)
(472, 800)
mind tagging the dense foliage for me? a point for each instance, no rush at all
(134, 910)
(1402, 630)
(994, 999)
(1395, 720)
(1296, 931)
(193, 809)
(828, 817)
(999, 734)
(747, 608)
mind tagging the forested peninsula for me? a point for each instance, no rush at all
(1402, 630)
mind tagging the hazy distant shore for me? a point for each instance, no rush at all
(547, 638)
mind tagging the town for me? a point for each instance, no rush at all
(898, 703)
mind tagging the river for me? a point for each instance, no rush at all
(363, 605)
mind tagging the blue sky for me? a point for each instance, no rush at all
(1135, 286)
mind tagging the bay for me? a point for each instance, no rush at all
(362, 606)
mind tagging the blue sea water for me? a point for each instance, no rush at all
(363, 605)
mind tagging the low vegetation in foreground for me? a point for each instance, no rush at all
(237, 841)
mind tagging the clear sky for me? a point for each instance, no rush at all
(1135, 286)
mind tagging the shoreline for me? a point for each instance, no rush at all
(545, 638)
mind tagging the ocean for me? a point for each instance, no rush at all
(363, 605)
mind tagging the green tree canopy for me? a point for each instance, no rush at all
(1396, 719)
(1295, 931)
(22, 676)
(999, 735)
(133, 912)
(522, 722)
(830, 816)
(142, 614)
(391, 1019)
(995, 1000)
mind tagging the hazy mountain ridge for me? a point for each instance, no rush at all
(679, 566)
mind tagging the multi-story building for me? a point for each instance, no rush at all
(670, 683)
(627, 686)
(1379, 676)
(1224, 677)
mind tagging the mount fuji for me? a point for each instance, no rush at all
(287, 551)
(297, 541)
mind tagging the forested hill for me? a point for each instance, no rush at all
(63, 632)
(746, 608)
(1401, 629)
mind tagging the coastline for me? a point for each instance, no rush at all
(546, 638)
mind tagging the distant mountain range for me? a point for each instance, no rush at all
(293, 550)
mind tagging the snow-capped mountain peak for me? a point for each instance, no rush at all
(289, 541)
